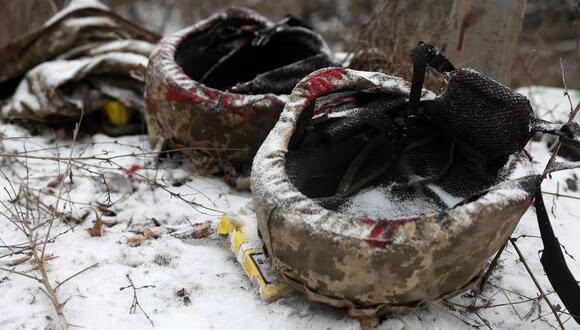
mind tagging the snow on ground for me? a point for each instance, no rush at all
(168, 198)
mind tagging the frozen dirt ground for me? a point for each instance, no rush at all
(141, 205)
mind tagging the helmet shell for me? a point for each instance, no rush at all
(219, 129)
(376, 266)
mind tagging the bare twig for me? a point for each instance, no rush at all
(481, 284)
(573, 112)
(74, 275)
(538, 286)
(76, 162)
(486, 322)
(21, 274)
(135, 302)
(511, 304)
(557, 194)
(68, 169)
(30, 222)
(565, 86)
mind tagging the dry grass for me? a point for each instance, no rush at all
(37, 213)
(385, 41)
(20, 16)
(36, 220)
(383, 30)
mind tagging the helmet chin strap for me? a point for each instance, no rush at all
(568, 132)
(552, 258)
(554, 263)
(423, 55)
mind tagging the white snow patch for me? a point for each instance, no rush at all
(221, 296)
(449, 200)
(382, 203)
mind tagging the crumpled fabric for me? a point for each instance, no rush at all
(76, 62)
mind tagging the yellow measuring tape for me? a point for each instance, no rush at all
(251, 256)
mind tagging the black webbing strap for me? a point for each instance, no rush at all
(423, 55)
(565, 165)
(554, 264)
(552, 258)
(568, 130)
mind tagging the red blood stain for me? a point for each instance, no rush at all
(176, 94)
(132, 170)
(382, 232)
(203, 96)
(367, 221)
(325, 82)
(230, 102)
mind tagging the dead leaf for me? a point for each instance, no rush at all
(144, 234)
(73, 218)
(196, 231)
(18, 261)
(135, 240)
(184, 296)
(47, 258)
(201, 230)
(148, 232)
(97, 229)
(56, 181)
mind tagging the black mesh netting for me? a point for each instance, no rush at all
(455, 145)
(487, 117)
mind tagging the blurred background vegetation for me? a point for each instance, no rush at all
(550, 32)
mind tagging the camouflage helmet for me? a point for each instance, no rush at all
(375, 265)
(215, 89)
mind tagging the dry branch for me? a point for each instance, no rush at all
(538, 286)
(135, 302)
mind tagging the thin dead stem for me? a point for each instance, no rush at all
(30, 216)
(135, 302)
(538, 286)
